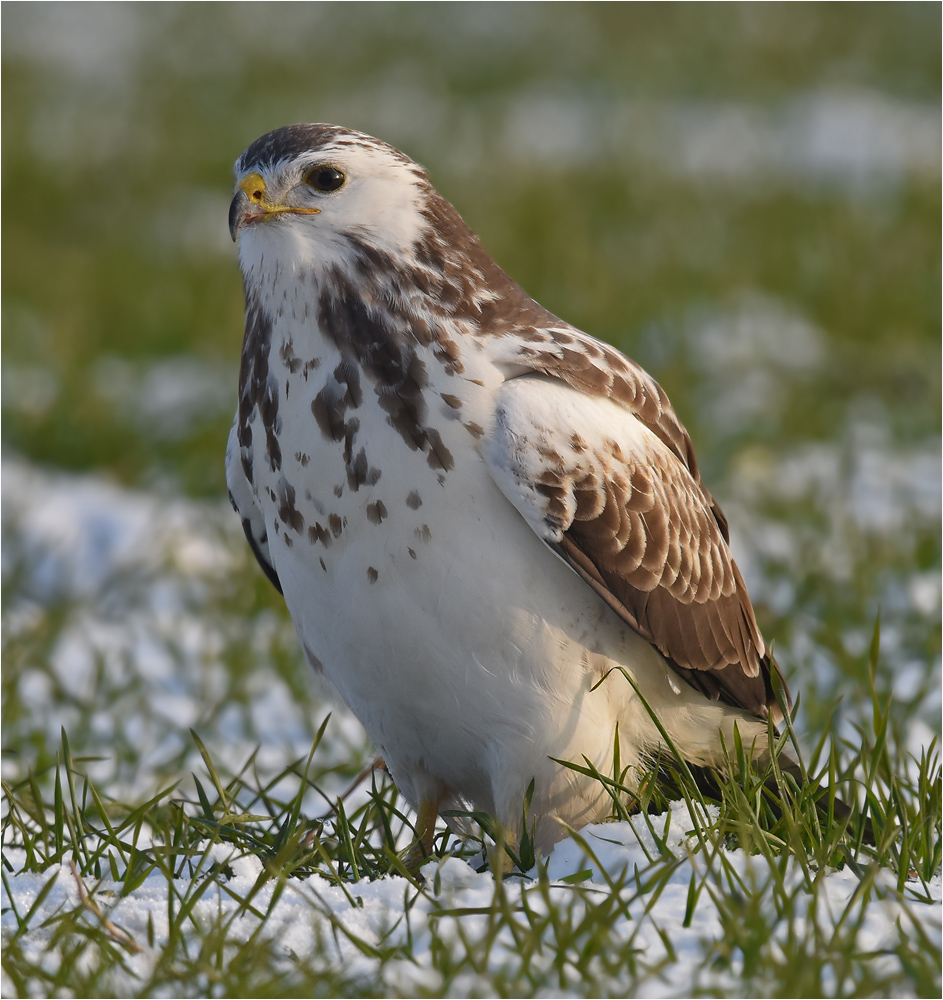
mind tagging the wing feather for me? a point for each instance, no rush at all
(243, 502)
(608, 480)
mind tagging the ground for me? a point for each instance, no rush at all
(744, 200)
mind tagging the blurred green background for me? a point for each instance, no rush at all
(743, 197)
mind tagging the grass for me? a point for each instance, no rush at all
(132, 612)
(759, 852)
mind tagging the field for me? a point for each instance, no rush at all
(745, 199)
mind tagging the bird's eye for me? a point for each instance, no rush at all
(324, 178)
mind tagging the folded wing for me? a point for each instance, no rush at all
(618, 497)
(243, 502)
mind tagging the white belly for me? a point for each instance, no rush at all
(471, 654)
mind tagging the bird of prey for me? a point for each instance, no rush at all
(488, 526)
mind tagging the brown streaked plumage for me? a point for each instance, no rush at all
(475, 511)
(650, 539)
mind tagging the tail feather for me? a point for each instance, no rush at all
(710, 782)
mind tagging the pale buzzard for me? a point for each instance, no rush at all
(488, 526)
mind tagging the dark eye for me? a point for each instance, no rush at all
(324, 178)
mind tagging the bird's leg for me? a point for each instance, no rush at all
(499, 855)
(425, 831)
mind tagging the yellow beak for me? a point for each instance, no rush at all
(250, 205)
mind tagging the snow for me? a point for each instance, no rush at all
(141, 649)
(136, 569)
(849, 138)
(301, 920)
(165, 398)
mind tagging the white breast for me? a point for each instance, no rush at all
(471, 654)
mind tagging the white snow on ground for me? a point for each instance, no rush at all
(136, 571)
(144, 650)
(167, 397)
(305, 918)
(849, 138)
(854, 139)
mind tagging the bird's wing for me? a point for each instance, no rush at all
(606, 477)
(243, 502)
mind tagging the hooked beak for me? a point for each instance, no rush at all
(239, 210)
(250, 205)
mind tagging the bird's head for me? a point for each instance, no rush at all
(312, 194)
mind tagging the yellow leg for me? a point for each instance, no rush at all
(417, 855)
(501, 863)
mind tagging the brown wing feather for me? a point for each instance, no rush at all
(651, 541)
(684, 633)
